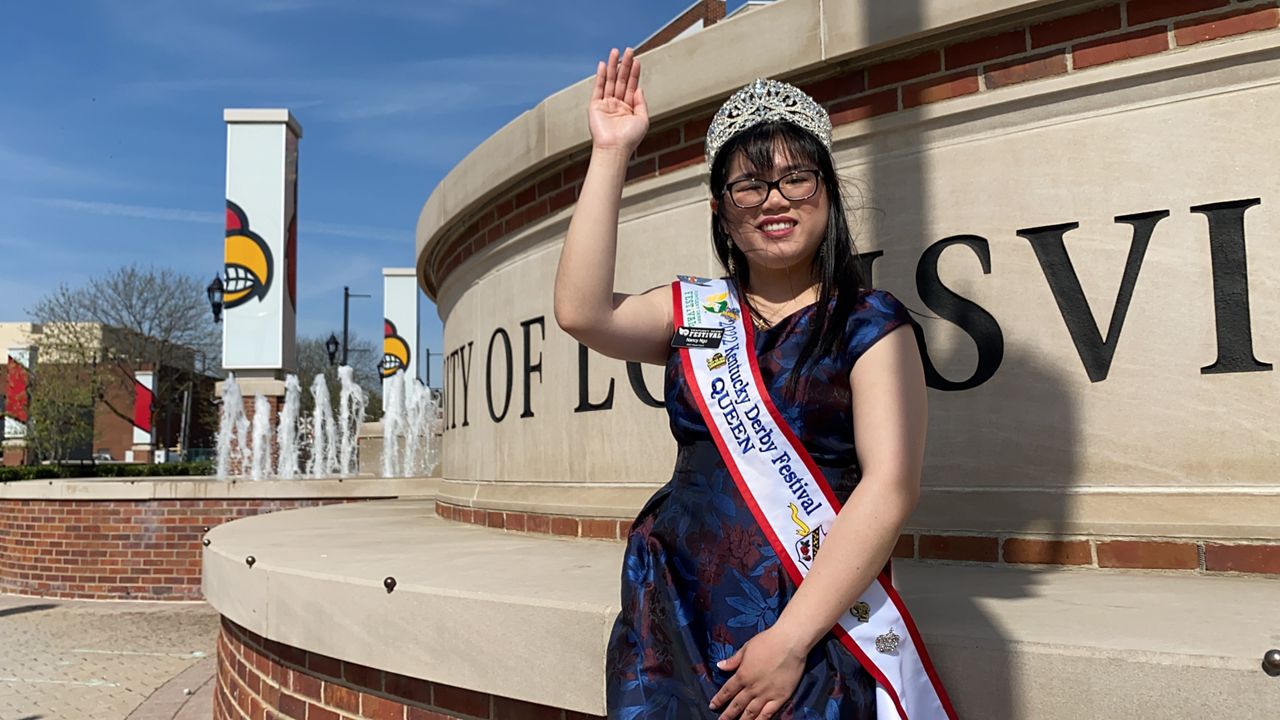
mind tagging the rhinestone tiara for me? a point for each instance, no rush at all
(766, 101)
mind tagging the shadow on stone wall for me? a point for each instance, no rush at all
(977, 437)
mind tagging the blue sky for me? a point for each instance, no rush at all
(112, 144)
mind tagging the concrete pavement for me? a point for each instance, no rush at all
(93, 660)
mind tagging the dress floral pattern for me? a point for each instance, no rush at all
(699, 577)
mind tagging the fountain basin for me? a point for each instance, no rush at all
(141, 539)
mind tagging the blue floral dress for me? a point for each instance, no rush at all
(700, 579)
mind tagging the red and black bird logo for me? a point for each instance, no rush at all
(249, 265)
(395, 351)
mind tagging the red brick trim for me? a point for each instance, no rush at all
(1140, 12)
(912, 75)
(116, 549)
(1120, 47)
(905, 547)
(1075, 27)
(896, 72)
(864, 106)
(1129, 553)
(986, 49)
(1046, 552)
(1025, 69)
(259, 678)
(1146, 554)
(1242, 558)
(560, 525)
(1214, 27)
(940, 88)
(1094, 552)
(959, 547)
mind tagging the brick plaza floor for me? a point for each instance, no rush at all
(96, 660)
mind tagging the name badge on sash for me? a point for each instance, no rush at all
(697, 337)
(790, 498)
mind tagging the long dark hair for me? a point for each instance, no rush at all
(834, 267)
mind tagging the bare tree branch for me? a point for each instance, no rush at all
(130, 319)
(313, 360)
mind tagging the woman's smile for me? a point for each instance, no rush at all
(777, 227)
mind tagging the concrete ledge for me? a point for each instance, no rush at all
(528, 617)
(519, 617)
(141, 539)
(208, 488)
(619, 501)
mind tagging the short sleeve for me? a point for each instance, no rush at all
(877, 314)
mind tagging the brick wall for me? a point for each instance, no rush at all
(110, 431)
(892, 80)
(116, 549)
(1143, 553)
(114, 434)
(260, 678)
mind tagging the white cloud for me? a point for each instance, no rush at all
(360, 232)
(197, 32)
(32, 169)
(144, 212)
(433, 12)
(135, 211)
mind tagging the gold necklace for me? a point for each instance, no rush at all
(761, 323)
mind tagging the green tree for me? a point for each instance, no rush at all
(129, 319)
(61, 411)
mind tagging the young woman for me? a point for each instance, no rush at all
(715, 622)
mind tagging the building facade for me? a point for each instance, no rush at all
(137, 413)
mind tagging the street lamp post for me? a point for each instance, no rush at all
(331, 347)
(346, 315)
(215, 291)
(427, 351)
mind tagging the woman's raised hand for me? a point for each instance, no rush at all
(617, 115)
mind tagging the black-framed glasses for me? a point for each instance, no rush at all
(795, 186)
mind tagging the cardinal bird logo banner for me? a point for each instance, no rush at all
(250, 269)
(395, 351)
(16, 397)
(260, 248)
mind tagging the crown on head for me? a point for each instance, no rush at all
(767, 101)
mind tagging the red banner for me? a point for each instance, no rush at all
(142, 400)
(16, 383)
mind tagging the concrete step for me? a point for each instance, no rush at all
(1069, 643)
(1014, 643)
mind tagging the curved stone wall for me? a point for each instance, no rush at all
(263, 678)
(382, 610)
(141, 540)
(1068, 194)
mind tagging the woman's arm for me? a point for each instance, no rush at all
(631, 327)
(890, 413)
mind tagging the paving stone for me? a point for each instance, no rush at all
(87, 660)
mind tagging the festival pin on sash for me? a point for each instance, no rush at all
(791, 499)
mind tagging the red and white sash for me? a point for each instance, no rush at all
(791, 499)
